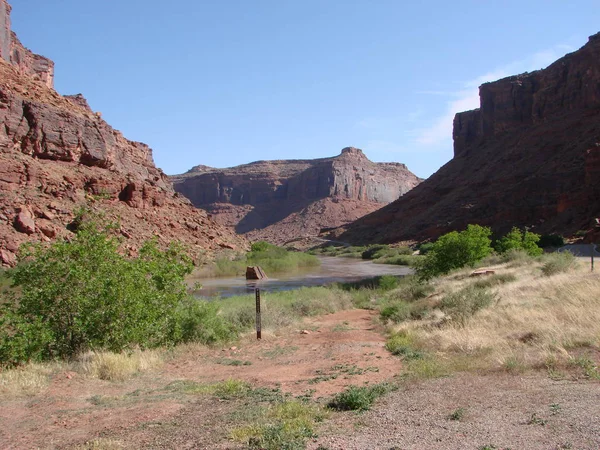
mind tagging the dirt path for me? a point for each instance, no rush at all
(339, 349)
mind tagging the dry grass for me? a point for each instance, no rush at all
(535, 317)
(27, 380)
(118, 366)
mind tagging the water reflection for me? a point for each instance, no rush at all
(330, 271)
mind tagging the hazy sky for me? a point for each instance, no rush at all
(226, 82)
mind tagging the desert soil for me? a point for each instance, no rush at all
(507, 411)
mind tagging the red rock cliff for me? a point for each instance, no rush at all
(527, 157)
(57, 155)
(12, 51)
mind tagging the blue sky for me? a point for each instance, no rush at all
(226, 82)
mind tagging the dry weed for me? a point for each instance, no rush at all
(119, 366)
(27, 380)
(535, 317)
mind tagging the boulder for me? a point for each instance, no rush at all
(255, 273)
(24, 222)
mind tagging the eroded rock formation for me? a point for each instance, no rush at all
(57, 155)
(285, 199)
(528, 157)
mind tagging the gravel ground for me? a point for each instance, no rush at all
(499, 412)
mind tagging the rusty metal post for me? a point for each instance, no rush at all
(258, 325)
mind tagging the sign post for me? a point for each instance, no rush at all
(258, 327)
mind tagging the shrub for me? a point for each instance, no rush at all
(83, 295)
(517, 240)
(425, 248)
(403, 344)
(373, 250)
(557, 263)
(356, 398)
(455, 250)
(462, 304)
(397, 312)
(551, 240)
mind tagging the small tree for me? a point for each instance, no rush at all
(515, 239)
(455, 250)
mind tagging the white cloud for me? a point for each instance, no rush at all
(440, 130)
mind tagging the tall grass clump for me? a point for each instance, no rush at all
(557, 262)
(461, 305)
(118, 366)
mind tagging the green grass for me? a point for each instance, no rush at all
(284, 425)
(359, 398)
(403, 344)
(458, 414)
(271, 258)
(280, 309)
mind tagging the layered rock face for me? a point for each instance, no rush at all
(12, 51)
(57, 156)
(528, 157)
(281, 200)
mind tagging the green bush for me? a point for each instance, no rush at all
(403, 344)
(374, 249)
(83, 294)
(397, 312)
(557, 263)
(551, 240)
(356, 398)
(455, 250)
(425, 247)
(517, 240)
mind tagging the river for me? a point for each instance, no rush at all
(331, 270)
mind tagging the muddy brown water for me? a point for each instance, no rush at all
(331, 270)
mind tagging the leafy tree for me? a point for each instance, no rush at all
(515, 239)
(455, 250)
(83, 294)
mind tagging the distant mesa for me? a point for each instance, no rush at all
(281, 200)
(529, 156)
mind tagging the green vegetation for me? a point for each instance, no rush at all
(339, 250)
(84, 295)
(378, 253)
(456, 250)
(403, 344)
(462, 304)
(283, 308)
(518, 240)
(271, 258)
(458, 414)
(359, 398)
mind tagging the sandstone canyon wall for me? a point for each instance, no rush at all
(57, 155)
(284, 199)
(528, 157)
